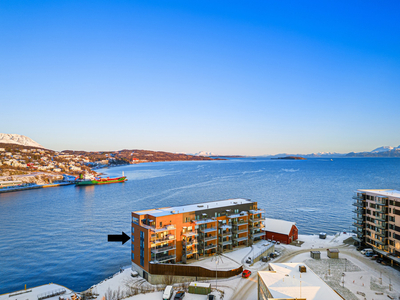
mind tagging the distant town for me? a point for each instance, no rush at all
(25, 160)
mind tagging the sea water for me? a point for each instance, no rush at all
(60, 234)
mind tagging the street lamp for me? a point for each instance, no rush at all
(217, 258)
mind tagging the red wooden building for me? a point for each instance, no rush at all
(280, 230)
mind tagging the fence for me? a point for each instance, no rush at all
(51, 294)
(187, 270)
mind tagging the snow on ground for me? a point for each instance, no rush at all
(358, 270)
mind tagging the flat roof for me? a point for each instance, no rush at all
(165, 211)
(52, 291)
(382, 192)
(286, 281)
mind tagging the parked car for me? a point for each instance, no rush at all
(168, 292)
(210, 297)
(375, 256)
(179, 295)
(272, 255)
(246, 273)
(278, 242)
(379, 260)
(368, 250)
(265, 259)
(369, 254)
(248, 260)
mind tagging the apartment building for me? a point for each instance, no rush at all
(377, 221)
(183, 233)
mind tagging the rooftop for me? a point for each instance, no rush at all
(382, 192)
(286, 281)
(278, 226)
(165, 211)
(49, 291)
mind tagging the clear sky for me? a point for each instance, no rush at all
(229, 77)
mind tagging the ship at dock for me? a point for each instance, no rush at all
(89, 179)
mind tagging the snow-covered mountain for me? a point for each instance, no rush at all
(204, 153)
(18, 139)
(384, 149)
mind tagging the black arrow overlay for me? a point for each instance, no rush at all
(119, 238)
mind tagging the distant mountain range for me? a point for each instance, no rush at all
(384, 151)
(18, 140)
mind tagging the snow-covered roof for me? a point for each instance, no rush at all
(383, 192)
(278, 226)
(51, 291)
(286, 281)
(165, 211)
(202, 284)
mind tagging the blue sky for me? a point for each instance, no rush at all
(230, 77)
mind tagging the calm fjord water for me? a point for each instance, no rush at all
(60, 234)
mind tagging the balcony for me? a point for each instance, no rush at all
(241, 215)
(244, 238)
(358, 204)
(211, 246)
(170, 238)
(154, 229)
(253, 220)
(205, 221)
(224, 243)
(194, 251)
(359, 211)
(380, 219)
(190, 233)
(166, 258)
(226, 233)
(382, 226)
(357, 218)
(358, 225)
(162, 249)
(357, 197)
(223, 227)
(257, 211)
(382, 234)
(359, 233)
(192, 242)
(210, 238)
(207, 230)
(240, 231)
(255, 227)
(237, 224)
(257, 235)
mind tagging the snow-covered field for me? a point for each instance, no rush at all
(362, 274)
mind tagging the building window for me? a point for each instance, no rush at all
(142, 248)
(160, 224)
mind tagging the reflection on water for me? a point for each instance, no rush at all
(60, 234)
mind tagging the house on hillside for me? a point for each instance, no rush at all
(280, 230)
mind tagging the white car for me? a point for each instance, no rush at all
(368, 250)
(168, 292)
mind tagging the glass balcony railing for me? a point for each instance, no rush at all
(166, 258)
(210, 238)
(224, 243)
(240, 231)
(162, 249)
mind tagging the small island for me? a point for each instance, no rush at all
(290, 157)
